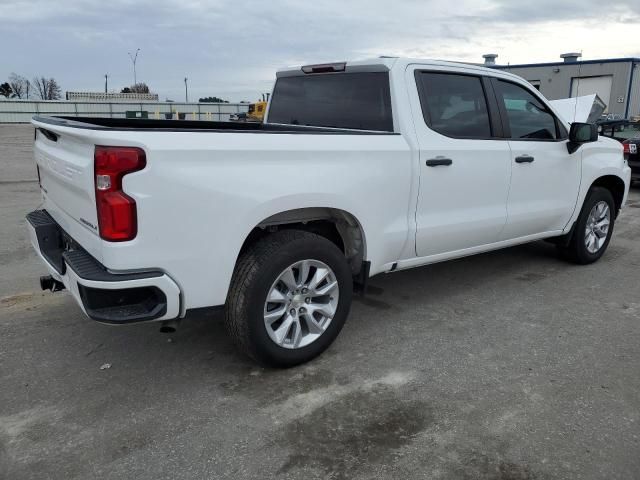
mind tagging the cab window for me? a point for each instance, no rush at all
(527, 116)
(454, 105)
(360, 101)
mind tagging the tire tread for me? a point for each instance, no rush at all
(247, 268)
(575, 252)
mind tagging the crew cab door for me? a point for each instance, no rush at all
(545, 178)
(464, 169)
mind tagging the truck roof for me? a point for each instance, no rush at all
(386, 63)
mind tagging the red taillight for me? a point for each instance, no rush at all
(627, 148)
(117, 217)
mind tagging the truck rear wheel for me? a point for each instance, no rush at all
(289, 298)
(593, 228)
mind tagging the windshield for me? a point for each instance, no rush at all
(358, 101)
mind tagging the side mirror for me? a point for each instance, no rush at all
(581, 133)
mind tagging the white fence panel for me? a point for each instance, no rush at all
(55, 108)
(93, 108)
(21, 111)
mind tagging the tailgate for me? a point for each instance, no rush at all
(65, 164)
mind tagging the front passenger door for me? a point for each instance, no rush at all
(545, 178)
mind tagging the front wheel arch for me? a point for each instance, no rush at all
(575, 250)
(615, 185)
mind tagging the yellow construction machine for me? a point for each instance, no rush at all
(256, 111)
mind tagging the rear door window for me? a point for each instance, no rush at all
(360, 101)
(454, 105)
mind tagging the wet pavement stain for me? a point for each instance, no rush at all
(482, 467)
(20, 298)
(353, 431)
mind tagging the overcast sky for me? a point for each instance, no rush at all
(232, 48)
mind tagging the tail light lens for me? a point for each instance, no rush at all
(117, 215)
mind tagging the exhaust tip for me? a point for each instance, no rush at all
(47, 282)
(169, 326)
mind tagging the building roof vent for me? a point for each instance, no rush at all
(570, 57)
(490, 58)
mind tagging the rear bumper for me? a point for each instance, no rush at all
(104, 295)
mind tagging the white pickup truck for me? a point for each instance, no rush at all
(360, 168)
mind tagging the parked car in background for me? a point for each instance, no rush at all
(608, 117)
(613, 120)
(632, 153)
(629, 136)
(360, 168)
(621, 130)
(238, 117)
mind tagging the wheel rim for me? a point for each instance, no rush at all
(597, 228)
(301, 304)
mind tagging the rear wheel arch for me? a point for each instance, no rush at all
(338, 226)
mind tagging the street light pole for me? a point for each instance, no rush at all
(186, 90)
(134, 59)
(106, 84)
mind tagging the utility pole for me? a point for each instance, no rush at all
(106, 84)
(186, 90)
(134, 59)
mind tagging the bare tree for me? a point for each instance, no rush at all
(20, 86)
(47, 88)
(140, 87)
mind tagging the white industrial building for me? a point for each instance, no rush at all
(111, 97)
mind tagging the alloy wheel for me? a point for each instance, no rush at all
(301, 304)
(597, 227)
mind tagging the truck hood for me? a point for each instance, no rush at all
(586, 109)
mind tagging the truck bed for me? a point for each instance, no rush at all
(139, 124)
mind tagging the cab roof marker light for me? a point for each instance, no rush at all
(325, 67)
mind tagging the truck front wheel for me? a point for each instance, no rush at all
(593, 228)
(289, 298)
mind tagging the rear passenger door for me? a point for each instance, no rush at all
(545, 178)
(464, 166)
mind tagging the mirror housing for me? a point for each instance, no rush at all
(581, 133)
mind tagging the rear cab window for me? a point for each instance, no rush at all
(358, 101)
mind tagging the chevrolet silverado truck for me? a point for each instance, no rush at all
(360, 168)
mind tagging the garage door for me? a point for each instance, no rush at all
(590, 85)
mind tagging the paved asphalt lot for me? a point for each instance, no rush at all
(511, 365)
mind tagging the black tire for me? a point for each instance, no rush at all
(255, 272)
(576, 251)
